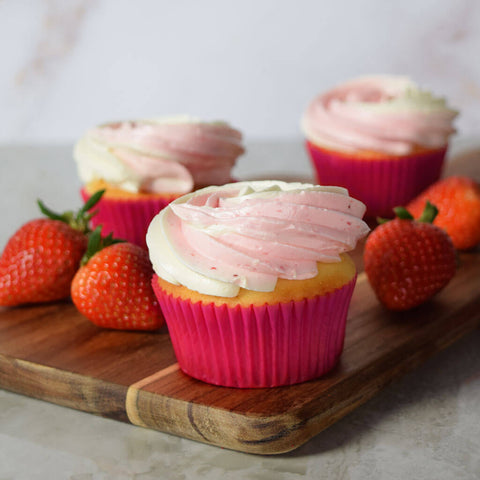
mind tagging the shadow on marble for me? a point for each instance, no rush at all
(410, 405)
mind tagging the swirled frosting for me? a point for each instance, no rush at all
(171, 155)
(383, 113)
(249, 234)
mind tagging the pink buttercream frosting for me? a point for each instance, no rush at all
(381, 113)
(249, 234)
(167, 155)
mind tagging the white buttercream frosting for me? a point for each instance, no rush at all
(165, 155)
(250, 234)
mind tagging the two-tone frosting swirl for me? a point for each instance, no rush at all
(249, 234)
(173, 155)
(382, 113)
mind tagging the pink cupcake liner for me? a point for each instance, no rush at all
(381, 184)
(257, 346)
(127, 219)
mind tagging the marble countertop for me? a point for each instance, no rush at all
(425, 425)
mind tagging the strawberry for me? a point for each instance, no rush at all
(113, 287)
(408, 261)
(458, 201)
(41, 258)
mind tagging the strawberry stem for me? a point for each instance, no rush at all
(381, 220)
(96, 243)
(403, 213)
(50, 213)
(77, 220)
(91, 202)
(429, 213)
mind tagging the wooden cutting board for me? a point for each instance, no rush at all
(53, 353)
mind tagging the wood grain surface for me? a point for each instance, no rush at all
(51, 352)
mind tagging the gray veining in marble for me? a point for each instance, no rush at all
(69, 65)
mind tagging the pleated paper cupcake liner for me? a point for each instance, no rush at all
(127, 219)
(257, 346)
(380, 183)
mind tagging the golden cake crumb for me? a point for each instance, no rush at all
(330, 277)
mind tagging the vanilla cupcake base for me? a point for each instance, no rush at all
(231, 342)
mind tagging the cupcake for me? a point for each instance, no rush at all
(255, 281)
(381, 137)
(144, 165)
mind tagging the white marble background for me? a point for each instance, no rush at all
(67, 65)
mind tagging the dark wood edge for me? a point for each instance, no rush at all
(63, 388)
(278, 434)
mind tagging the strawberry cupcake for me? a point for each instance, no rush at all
(381, 137)
(254, 280)
(143, 165)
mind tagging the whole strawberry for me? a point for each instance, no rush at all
(408, 261)
(41, 258)
(458, 201)
(113, 287)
